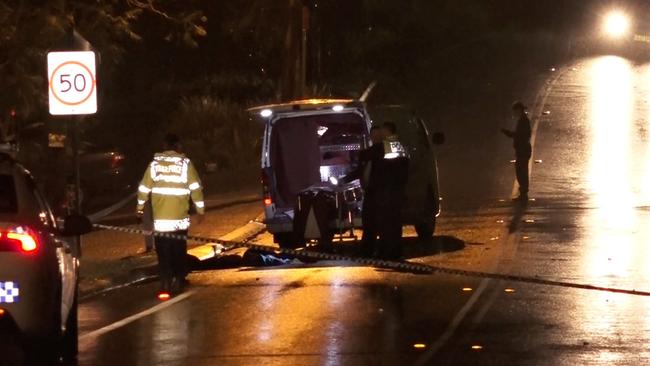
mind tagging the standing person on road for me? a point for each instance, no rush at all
(363, 172)
(171, 181)
(523, 148)
(390, 175)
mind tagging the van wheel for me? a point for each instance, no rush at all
(287, 240)
(71, 336)
(425, 230)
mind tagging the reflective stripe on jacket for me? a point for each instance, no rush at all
(393, 148)
(171, 180)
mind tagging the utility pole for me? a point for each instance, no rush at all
(304, 45)
(296, 49)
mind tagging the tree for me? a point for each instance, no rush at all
(29, 29)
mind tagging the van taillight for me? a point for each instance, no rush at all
(265, 189)
(18, 240)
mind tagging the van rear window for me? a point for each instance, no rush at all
(8, 202)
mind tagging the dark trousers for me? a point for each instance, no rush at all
(172, 260)
(369, 220)
(521, 169)
(389, 223)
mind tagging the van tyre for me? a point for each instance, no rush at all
(425, 230)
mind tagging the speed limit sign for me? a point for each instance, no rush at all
(72, 83)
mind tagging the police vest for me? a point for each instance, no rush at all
(394, 149)
(171, 181)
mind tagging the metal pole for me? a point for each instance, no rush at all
(77, 178)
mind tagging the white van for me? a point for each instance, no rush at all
(307, 142)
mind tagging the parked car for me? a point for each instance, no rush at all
(306, 143)
(104, 178)
(38, 270)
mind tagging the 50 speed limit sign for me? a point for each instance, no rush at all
(72, 83)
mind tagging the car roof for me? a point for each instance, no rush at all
(312, 104)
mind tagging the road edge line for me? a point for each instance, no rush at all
(130, 319)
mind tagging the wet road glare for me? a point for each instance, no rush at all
(589, 223)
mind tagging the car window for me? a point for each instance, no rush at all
(8, 201)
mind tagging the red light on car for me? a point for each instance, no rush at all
(27, 242)
(2, 312)
(268, 201)
(164, 296)
(19, 239)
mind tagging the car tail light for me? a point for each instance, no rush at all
(116, 160)
(2, 312)
(164, 296)
(19, 239)
(268, 201)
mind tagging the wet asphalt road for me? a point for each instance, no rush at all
(588, 223)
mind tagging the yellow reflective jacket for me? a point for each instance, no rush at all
(171, 180)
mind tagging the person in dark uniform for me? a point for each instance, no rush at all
(390, 175)
(523, 148)
(363, 173)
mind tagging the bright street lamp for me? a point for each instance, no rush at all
(616, 24)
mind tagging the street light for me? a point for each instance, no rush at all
(616, 25)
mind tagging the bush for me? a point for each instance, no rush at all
(217, 131)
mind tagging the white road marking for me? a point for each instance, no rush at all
(118, 324)
(460, 316)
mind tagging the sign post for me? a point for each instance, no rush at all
(72, 89)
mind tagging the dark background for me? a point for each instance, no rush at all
(193, 67)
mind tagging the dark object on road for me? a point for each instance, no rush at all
(258, 258)
(76, 225)
(523, 149)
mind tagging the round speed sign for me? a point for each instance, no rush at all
(72, 83)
